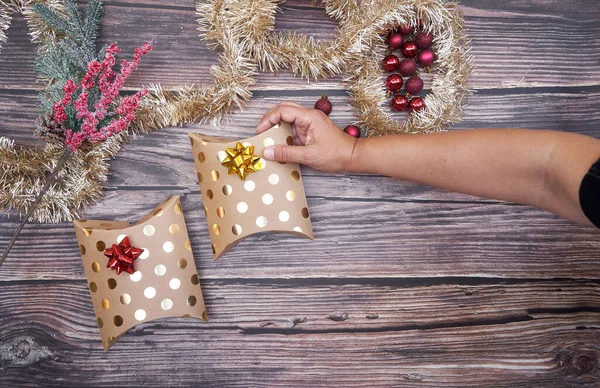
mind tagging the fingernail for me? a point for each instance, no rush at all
(269, 153)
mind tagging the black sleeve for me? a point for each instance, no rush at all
(589, 194)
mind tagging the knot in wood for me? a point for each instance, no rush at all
(586, 363)
(338, 317)
(21, 349)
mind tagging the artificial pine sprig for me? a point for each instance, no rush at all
(82, 85)
(80, 101)
(65, 57)
(78, 28)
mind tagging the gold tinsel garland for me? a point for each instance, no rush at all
(244, 32)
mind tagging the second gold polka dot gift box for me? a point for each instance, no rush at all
(140, 272)
(243, 194)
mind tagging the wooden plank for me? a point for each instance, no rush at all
(19, 110)
(573, 110)
(146, 165)
(50, 329)
(353, 238)
(528, 54)
(172, 165)
(328, 305)
(505, 57)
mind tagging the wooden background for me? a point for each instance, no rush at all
(404, 285)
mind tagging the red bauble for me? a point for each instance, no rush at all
(395, 40)
(352, 130)
(410, 49)
(324, 105)
(416, 104)
(399, 103)
(406, 30)
(408, 67)
(426, 58)
(424, 40)
(394, 82)
(391, 63)
(414, 85)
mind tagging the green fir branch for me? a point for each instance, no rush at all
(67, 57)
(74, 53)
(93, 16)
(53, 65)
(52, 18)
(75, 20)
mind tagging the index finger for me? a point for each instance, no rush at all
(280, 104)
(289, 113)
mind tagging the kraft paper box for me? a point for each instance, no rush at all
(269, 198)
(164, 282)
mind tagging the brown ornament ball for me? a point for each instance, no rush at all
(352, 130)
(407, 67)
(391, 63)
(406, 30)
(399, 103)
(324, 105)
(413, 85)
(416, 104)
(410, 49)
(424, 40)
(395, 40)
(394, 82)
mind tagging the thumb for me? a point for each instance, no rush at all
(285, 153)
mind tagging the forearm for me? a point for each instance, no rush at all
(538, 168)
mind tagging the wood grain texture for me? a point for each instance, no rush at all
(562, 109)
(318, 305)
(353, 238)
(405, 285)
(551, 352)
(512, 43)
(247, 347)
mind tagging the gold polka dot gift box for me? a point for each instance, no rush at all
(243, 194)
(140, 272)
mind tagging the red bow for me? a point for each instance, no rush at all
(121, 256)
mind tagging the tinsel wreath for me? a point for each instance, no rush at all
(354, 51)
(244, 32)
(451, 70)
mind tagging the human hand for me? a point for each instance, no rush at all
(324, 146)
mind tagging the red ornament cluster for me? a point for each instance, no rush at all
(415, 46)
(121, 256)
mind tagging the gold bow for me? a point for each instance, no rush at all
(241, 160)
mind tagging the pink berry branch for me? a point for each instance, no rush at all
(101, 83)
(89, 110)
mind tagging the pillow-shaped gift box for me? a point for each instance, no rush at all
(243, 194)
(140, 272)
